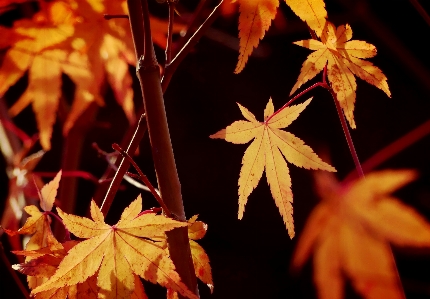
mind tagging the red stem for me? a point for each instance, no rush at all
(393, 148)
(295, 98)
(346, 132)
(143, 177)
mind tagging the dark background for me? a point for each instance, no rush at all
(250, 258)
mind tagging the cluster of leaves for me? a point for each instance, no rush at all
(108, 263)
(351, 230)
(354, 223)
(71, 37)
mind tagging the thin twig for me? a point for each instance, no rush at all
(169, 45)
(18, 281)
(122, 169)
(393, 149)
(171, 68)
(193, 24)
(143, 177)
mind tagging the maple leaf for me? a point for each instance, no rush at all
(46, 262)
(343, 59)
(350, 230)
(257, 15)
(268, 150)
(134, 245)
(38, 225)
(44, 51)
(202, 268)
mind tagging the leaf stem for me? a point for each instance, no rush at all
(122, 169)
(295, 98)
(346, 132)
(143, 177)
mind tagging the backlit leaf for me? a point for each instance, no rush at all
(269, 150)
(350, 231)
(343, 59)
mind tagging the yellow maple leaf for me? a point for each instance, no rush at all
(38, 225)
(350, 230)
(46, 262)
(343, 59)
(202, 268)
(44, 51)
(257, 15)
(134, 245)
(268, 150)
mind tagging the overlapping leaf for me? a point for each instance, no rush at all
(134, 245)
(350, 230)
(343, 58)
(257, 15)
(268, 151)
(38, 225)
(202, 268)
(45, 52)
(45, 264)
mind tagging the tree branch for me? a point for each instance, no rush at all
(161, 146)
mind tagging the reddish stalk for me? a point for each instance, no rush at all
(295, 98)
(347, 134)
(144, 179)
(343, 122)
(122, 169)
(323, 84)
(393, 149)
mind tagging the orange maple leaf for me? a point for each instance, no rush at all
(38, 225)
(257, 15)
(265, 153)
(44, 51)
(343, 59)
(350, 230)
(134, 245)
(45, 264)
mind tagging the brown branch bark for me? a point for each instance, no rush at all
(162, 152)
